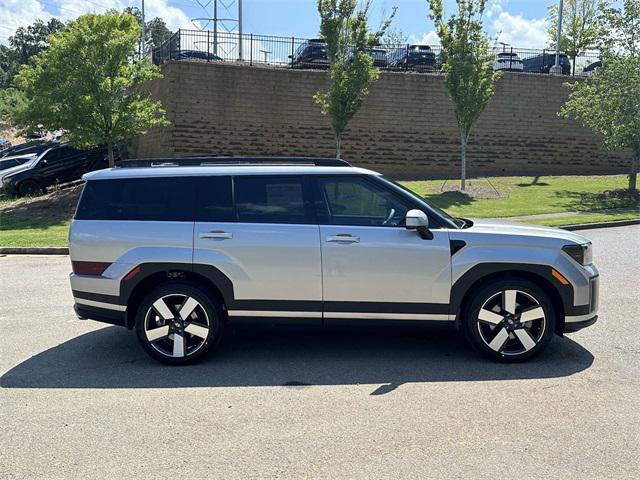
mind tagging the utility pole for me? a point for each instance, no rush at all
(557, 69)
(215, 27)
(240, 30)
(144, 34)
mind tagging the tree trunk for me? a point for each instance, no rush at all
(338, 139)
(110, 155)
(463, 160)
(633, 176)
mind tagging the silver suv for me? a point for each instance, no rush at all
(177, 249)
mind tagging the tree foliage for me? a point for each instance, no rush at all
(84, 84)
(156, 29)
(24, 44)
(620, 29)
(608, 100)
(467, 65)
(580, 26)
(343, 25)
(394, 36)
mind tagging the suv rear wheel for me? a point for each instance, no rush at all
(177, 323)
(509, 320)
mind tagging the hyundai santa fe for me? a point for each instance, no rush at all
(177, 249)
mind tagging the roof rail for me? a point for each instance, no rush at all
(235, 161)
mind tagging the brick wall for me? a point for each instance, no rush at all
(406, 127)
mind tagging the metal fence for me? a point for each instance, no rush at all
(292, 52)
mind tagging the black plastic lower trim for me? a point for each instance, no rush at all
(575, 326)
(112, 317)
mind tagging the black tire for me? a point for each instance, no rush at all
(206, 317)
(486, 334)
(29, 188)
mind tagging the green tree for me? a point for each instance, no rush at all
(10, 101)
(394, 36)
(156, 29)
(608, 101)
(343, 25)
(33, 39)
(467, 66)
(580, 26)
(157, 32)
(84, 85)
(620, 29)
(9, 66)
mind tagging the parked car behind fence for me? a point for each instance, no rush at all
(418, 58)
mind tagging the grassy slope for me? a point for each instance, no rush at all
(521, 196)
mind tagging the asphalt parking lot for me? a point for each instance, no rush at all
(82, 400)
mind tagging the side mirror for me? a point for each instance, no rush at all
(417, 220)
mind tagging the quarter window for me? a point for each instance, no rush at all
(140, 199)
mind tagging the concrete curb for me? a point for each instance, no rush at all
(34, 251)
(588, 226)
(65, 250)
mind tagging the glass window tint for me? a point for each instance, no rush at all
(356, 201)
(215, 202)
(268, 199)
(142, 199)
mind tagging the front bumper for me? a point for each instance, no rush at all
(575, 326)
(584, 315)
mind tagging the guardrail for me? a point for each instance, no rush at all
(292, 52)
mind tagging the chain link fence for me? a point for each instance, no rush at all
(292, 52)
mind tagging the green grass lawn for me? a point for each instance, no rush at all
(19, 232)
(518, 196)
(528, 195)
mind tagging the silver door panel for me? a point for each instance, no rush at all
(385, 264)
(264, 261)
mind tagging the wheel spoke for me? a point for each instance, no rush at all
(525, 339)
(163, 309)
(489, 316)
(510, 301)
(187, 308)
(178, 345)
(532, 314)
(197, 330)
(157, 333)
(498, 341)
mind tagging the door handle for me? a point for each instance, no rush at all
(343, 238)
(219, 234)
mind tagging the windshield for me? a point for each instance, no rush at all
(441, 213)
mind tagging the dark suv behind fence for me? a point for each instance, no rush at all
(542, 63)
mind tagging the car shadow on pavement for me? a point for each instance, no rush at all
(292, 357)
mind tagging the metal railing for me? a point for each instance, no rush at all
(292, 52)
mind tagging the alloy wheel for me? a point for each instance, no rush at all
(176, 325)
(511, 322)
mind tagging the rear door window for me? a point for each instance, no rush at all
(273, 199)
(214, 199)
(138, 199)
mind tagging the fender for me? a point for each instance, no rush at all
(460, 288)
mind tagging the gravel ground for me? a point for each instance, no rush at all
(81, 400)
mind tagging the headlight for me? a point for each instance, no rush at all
(583, 254)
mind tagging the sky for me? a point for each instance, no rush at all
(519, 23)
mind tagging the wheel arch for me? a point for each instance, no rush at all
(207, 277)
(561, 295)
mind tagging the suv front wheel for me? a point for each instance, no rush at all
(509, 320)
(177, 323)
